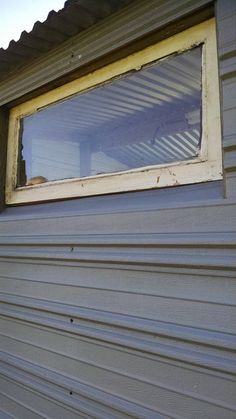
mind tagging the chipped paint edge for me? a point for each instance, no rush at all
(207, 167)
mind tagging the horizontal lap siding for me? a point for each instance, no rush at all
(124, 306)
(131, 310)
(227, 60)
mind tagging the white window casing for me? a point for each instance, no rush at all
(207, 166)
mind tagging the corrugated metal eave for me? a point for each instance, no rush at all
(74, 18)
(136, 21)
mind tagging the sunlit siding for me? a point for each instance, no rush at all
(227, 45)
(124, 305)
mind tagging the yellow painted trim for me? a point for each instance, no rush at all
(207, 167)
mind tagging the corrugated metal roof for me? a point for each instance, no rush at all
(76, 16)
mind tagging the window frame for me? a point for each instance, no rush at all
(207, 166)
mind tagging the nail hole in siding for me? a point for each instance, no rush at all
(71, 393)
(71, 320)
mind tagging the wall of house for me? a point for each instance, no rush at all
(124, 305)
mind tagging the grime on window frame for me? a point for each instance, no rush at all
(108, 175)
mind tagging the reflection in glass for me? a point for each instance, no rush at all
(148, 117)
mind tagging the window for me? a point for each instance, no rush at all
(149, 120)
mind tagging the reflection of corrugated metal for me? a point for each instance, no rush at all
(137, 120)
(143, 118)
(75, 17)
(152, 87)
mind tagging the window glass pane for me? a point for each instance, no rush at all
(148, 117)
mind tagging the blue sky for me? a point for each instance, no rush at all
(19, 15)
